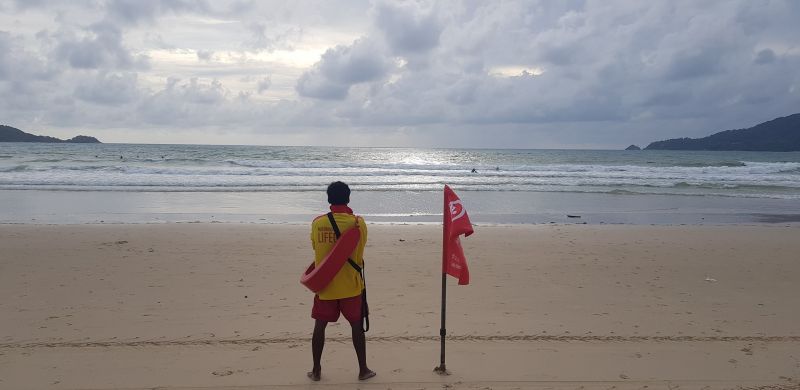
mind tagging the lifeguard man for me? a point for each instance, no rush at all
(344, 293)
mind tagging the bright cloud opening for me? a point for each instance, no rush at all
(515, 71)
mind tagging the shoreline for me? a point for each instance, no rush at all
(499, 208)
(778, 223)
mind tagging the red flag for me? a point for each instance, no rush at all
(456, 222)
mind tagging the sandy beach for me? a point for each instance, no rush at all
(215, 305)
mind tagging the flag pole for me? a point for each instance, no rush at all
(442, 369)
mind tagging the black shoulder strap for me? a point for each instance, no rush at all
(339, 234)
(334, 225)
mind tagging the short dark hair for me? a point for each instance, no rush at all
(338, 193)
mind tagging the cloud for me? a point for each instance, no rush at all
(313, 85)
(197, 92)
(563, 73)
(765, 56)
(109, 88)
(693, 63)
(183, 102)
(407, 27)
(19, 64)
(205, 55)
(27, 81)
(98, 46)
(344, 66)
(603, 65)
(26, 4)
(132, 12)
(263, 85)
(261, 38)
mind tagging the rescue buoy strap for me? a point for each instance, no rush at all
(338, 234)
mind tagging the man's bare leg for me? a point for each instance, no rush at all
(360, 344)
(317, 344)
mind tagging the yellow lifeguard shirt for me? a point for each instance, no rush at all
(347, 283)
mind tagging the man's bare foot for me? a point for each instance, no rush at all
(366, 374)
(314, 375)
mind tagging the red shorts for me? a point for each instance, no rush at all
(329, 310)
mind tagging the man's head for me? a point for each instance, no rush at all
(338, 193)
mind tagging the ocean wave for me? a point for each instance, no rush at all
(183, 176)
(282, 164)
(123, 176)
(622, 192)
(14, 168)
(311, 168)
(729, 186)
(713, 164)
(45, 160)
(395, 189)
(790, 169)
(774, 167)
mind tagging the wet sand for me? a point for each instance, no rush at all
(217, 305)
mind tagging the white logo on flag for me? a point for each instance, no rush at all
(456, 210)
(455, 262)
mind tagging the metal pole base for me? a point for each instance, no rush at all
(441, 370)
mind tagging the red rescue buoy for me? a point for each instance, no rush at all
(317, 278)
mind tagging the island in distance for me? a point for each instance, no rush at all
(12, 134)
(778, 135)
(633, 147)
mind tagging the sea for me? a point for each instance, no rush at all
(134, 183)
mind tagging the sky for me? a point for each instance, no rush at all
(480, 74)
